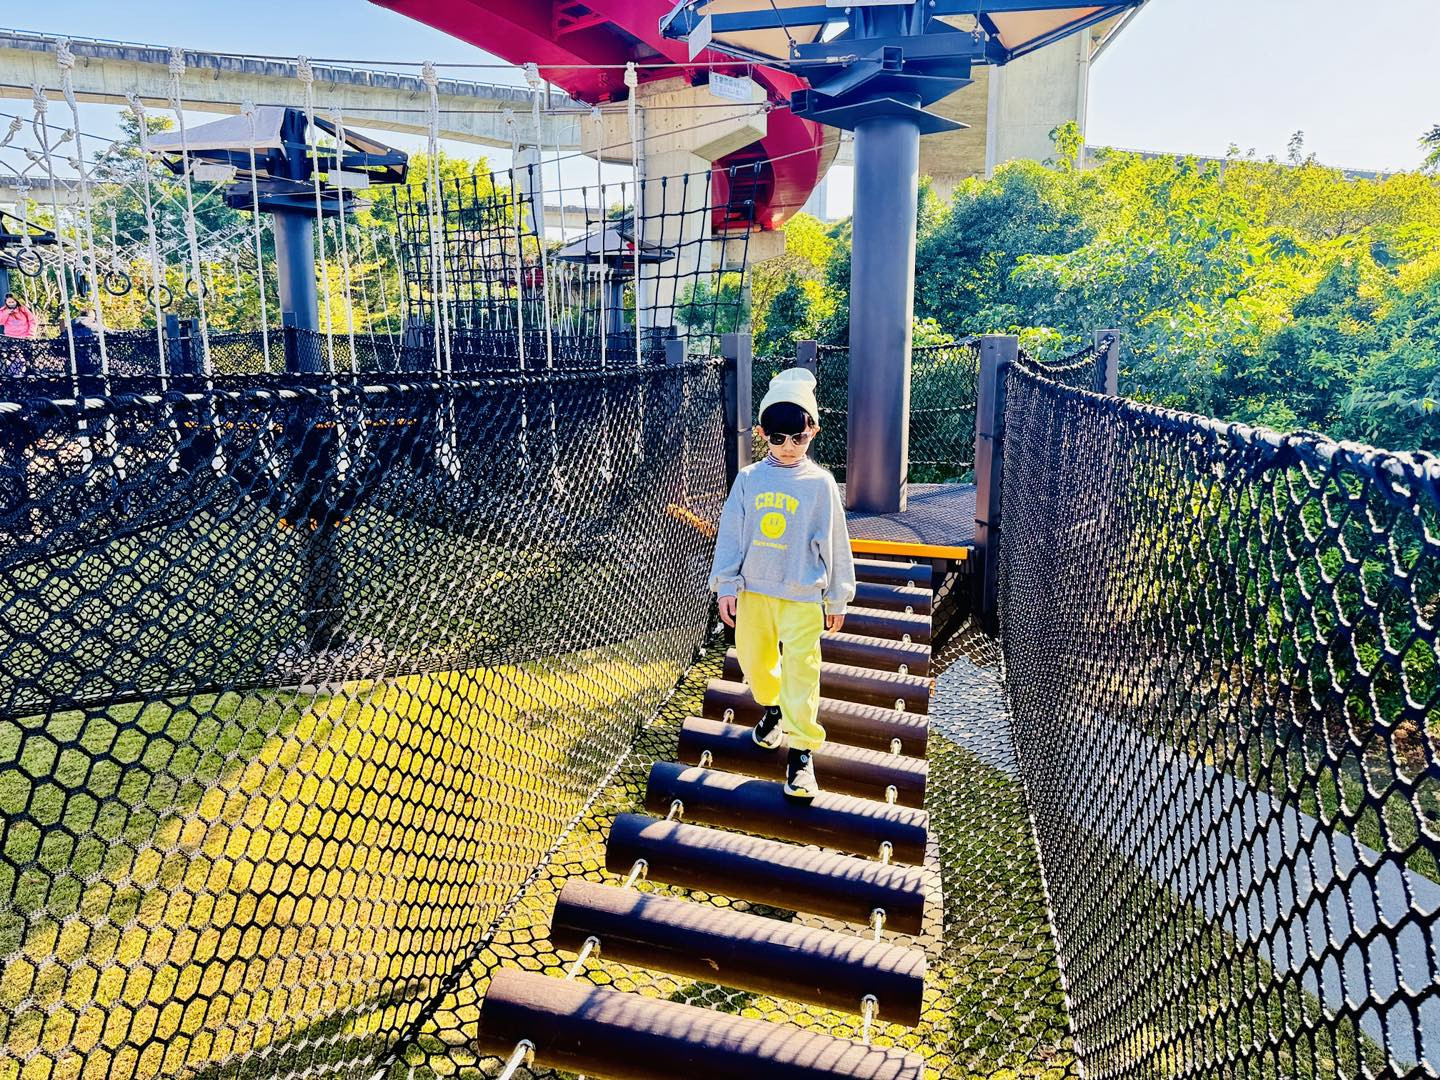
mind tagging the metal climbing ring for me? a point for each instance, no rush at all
(196, 290)
(28, 262)
(117, 283)
(163, 295)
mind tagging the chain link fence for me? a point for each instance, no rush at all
(1220, 651)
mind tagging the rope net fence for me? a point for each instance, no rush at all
(943, 383)
(517, 265)
(1220, 652)
(298, 687)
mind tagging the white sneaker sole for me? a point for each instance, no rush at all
(774, 744)
(800, 793)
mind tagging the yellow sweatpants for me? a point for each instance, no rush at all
(763, 624)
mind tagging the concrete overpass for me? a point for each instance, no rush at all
(1013, 109)
(105, 71)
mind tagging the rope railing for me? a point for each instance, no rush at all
(1220, 651)
(942, 407)
(297, 692)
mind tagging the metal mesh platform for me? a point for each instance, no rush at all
(938, 522)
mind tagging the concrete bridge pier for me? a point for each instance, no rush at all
(675, 155)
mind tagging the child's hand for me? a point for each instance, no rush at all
(834, 622)
(727, 610)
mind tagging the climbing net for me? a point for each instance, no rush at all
(298, 689)
(942, 407)
(1220, 650)
(518, 265)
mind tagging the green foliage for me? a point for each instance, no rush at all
(709, 311)
(1275, 293)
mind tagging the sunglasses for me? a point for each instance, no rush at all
(777, 439)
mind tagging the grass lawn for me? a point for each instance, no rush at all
(194, 880)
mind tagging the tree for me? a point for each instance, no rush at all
(1431, 142)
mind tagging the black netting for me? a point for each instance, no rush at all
(299, 686)
(544, 274)
(144, 362)
(1220, 649)
(942, 408)
(994, 1003)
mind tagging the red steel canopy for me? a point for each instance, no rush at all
(566, 39)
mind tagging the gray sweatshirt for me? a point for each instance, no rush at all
(783, 534)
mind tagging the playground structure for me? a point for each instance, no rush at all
(362, 711)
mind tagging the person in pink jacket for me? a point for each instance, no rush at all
(16, 320)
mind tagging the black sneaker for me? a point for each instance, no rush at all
(800, 776)
(767, 731)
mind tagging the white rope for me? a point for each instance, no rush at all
(248, 109)
(632, 80)
(65, 61)
(519, 216)
(436, 219)
(399, 278)
(395, 340)
(338, 119)
(604, 274)
(42, 136)
(177, 72)
(306, 74)
(537, 207)
(152, 245)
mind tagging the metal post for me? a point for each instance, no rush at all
(997, 353)
(295, 274)
(735, 351)
(882, 299)
(807, 356)
(1107, 362)
(4, 281)
(174, 359)
(187, 360)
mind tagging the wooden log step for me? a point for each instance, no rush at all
(578, 1028)
(844, 682)
(850, 770)
(868, 594)
(894, 625)
(877, 653)
(831, 820)
(734, 948)
(847, 722)
(903, 572)
(768, 871)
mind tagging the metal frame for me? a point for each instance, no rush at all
(686, 17)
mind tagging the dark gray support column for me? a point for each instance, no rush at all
(674, 351)
(997, 353)
(807, 356)
(1107, 362)
(174, 360)
(735, 350)
(4, 281)
(295, 274)
(882, 299)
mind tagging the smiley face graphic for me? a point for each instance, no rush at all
(773, 525)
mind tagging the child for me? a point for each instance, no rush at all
(783, 572)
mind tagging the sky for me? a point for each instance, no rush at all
(1361, 81)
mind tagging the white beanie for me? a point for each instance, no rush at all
(795, 385)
